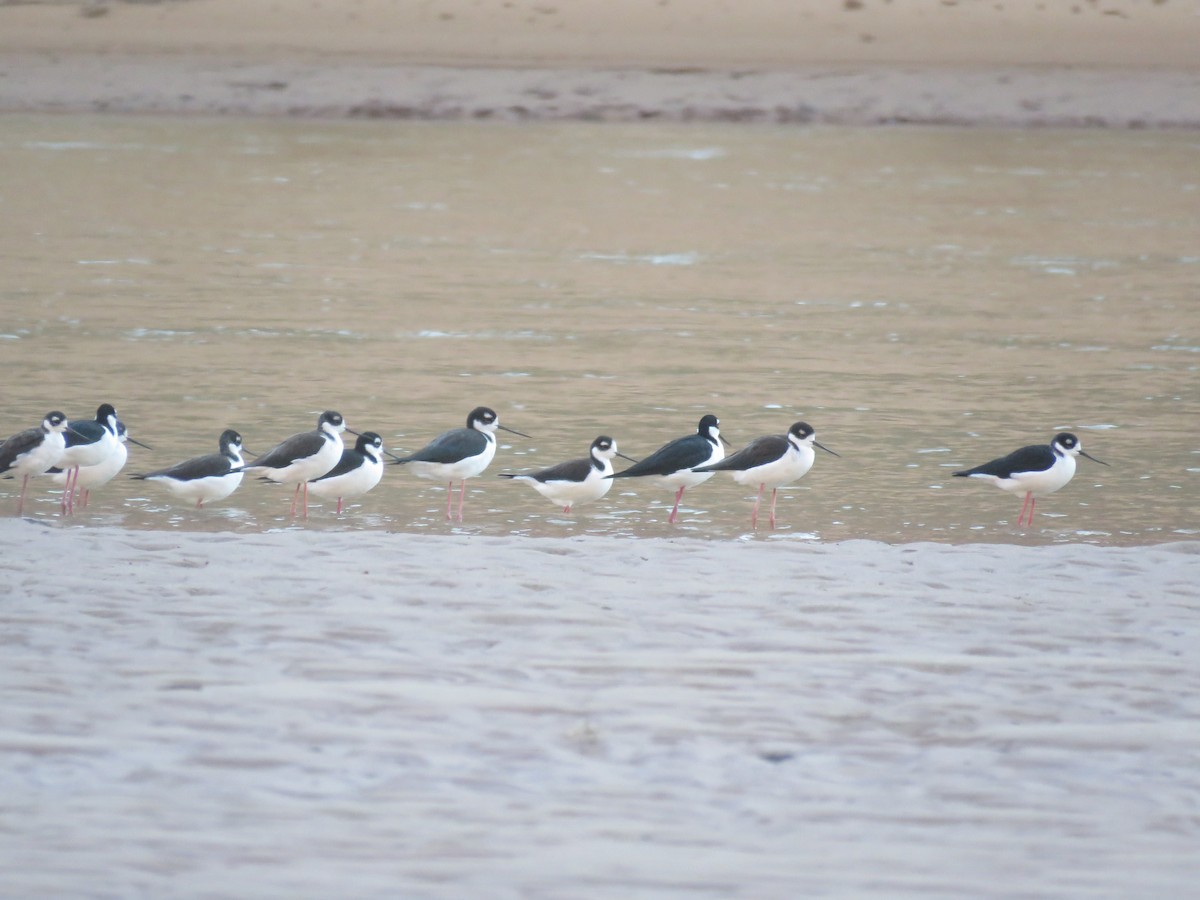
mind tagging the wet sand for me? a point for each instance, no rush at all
(1119, 64)
(372, 714)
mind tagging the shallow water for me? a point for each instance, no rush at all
(927, 299)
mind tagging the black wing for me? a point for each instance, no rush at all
(83, 431)
(758, 452)
(1034, 458)
(676, 456)
(18, 445)
(208, 466)
(298, 446)
(351, 460)
(450, 447)
(572, 470)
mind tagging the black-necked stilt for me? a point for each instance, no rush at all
(207, 478)
(86, 478)
(578, 480)
(89, 443)
(672, 465)
(459, 454)
(303, 457)
(771, 461)
(1034, 471)
(33, 451)
(357, 471)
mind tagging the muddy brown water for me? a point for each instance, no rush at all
(926, 298)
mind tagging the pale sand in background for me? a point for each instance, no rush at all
(1116, 62)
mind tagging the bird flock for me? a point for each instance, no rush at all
(83, 454)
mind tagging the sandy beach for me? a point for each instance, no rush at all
(1122, 63)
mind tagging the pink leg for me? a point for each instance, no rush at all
(295, 498)
(66, 494)
(1032, 507)
(87, 495)
(1024, 506)
(774, 492)
(675, 509)
(21, 501)
(306, 501)
(200, 504)
(462, 495)
(757, 501)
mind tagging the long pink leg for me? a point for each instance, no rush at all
(757, 501)
(462, 496)
(295, 498)
(1032, 507)
(774, 491)
(1024, 506)
(339, 512)
(21, 500)
(66, 494)
(306, 501)
(675, 509)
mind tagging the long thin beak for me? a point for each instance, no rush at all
(723, 441)
(623, 456)
(392, 455)
(826, 449)
(1092, 458)
(73, 431)
(352, 431)
(139, 443)
(511, 430)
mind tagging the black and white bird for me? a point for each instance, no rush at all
(459, 454)
(359, 470)
(303, 457)
(89, 442)
(88, 478)
(34, 451)
(673, 465)
(1034, 471)
(204, 479)
(771, 461)
(578, 480)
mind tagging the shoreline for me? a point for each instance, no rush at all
(835, 95)
(928, 62)
(14, 529)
